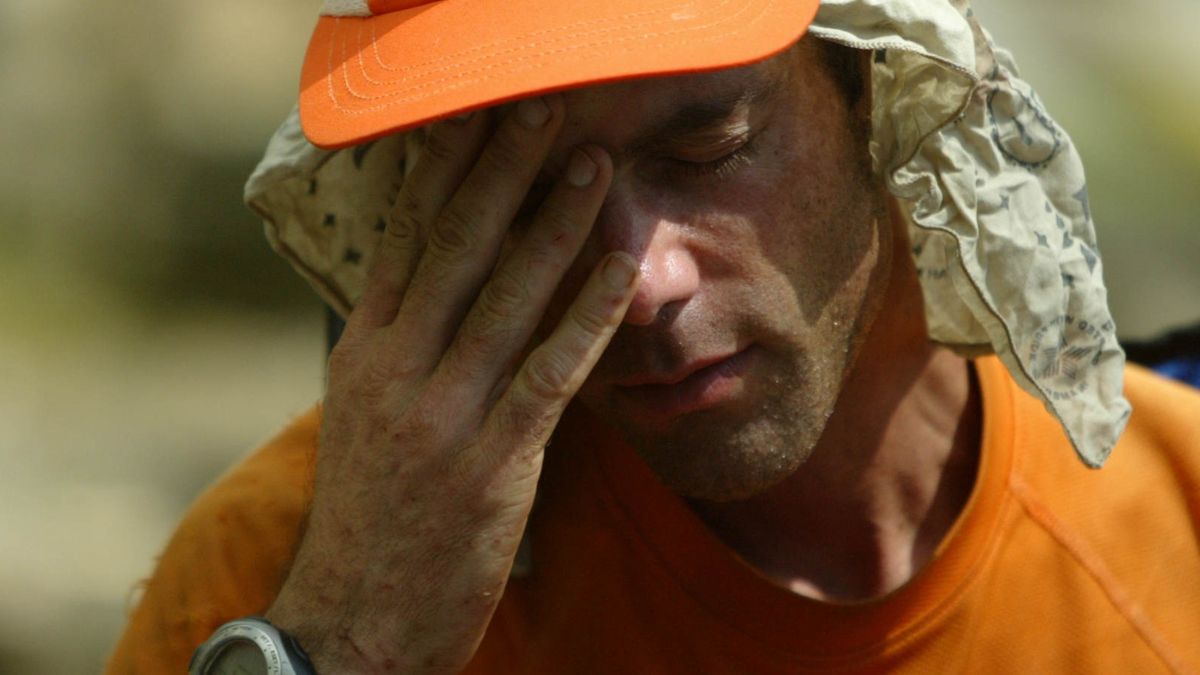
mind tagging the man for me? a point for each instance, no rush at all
(675, 332)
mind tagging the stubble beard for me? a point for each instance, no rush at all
(719, 456)
(714, 459)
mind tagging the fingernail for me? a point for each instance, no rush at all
(581, 171)
(533, 112)
(618, 271)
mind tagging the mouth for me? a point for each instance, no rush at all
(702, 384)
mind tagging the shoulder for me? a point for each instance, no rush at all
(1156, 463)
(1159, 448)
(253, 513)
(1151, 478)
(270, 487)
(1127, 531)
(228, 556)
(1166, 413)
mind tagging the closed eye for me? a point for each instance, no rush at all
(720, 167)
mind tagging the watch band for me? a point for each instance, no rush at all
(280, 652)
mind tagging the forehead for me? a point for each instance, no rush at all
(613, 114)
(640, 99)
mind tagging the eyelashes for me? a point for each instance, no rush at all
(722, 167)
(719, 168)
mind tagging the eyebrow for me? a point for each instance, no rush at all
(702, 115)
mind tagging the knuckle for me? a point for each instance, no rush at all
(548, 374)
(369, 384)
(454, 235)
(380, 371)
(506, 292)
(438, 148)
(401, 232)
(369, 368)
(341, 358)
(546, 259)
(478, 346)
(402, 221)
(525, 424)
(589, 317)
(472, 348)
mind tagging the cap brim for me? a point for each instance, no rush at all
(366, 77)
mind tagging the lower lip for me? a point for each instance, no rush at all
(708, 387)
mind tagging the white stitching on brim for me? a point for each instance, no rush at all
(345, 8)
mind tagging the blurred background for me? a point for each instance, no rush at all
(148, 337)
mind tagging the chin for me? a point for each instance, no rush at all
(733, 463)
(735, 452)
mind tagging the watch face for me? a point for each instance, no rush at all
(239, 657)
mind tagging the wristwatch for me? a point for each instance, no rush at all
(250, 646)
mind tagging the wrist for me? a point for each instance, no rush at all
(250, 645)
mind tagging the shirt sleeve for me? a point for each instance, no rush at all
(227, 558)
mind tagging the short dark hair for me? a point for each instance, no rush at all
(847, 66)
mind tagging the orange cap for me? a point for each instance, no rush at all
(378, 67)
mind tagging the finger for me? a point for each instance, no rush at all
(432, 173)
(513, 301)
(464, 242)
(555, 370)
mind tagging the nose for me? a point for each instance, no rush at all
(670, 274)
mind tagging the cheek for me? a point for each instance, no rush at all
(817, 213)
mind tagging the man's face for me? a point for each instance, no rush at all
(747, 196)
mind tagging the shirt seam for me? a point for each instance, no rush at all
(1094, 565)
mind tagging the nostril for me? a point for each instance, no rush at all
(668, 281)
(648, 316)
(641, 313)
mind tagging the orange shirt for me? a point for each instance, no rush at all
(1050, 568)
